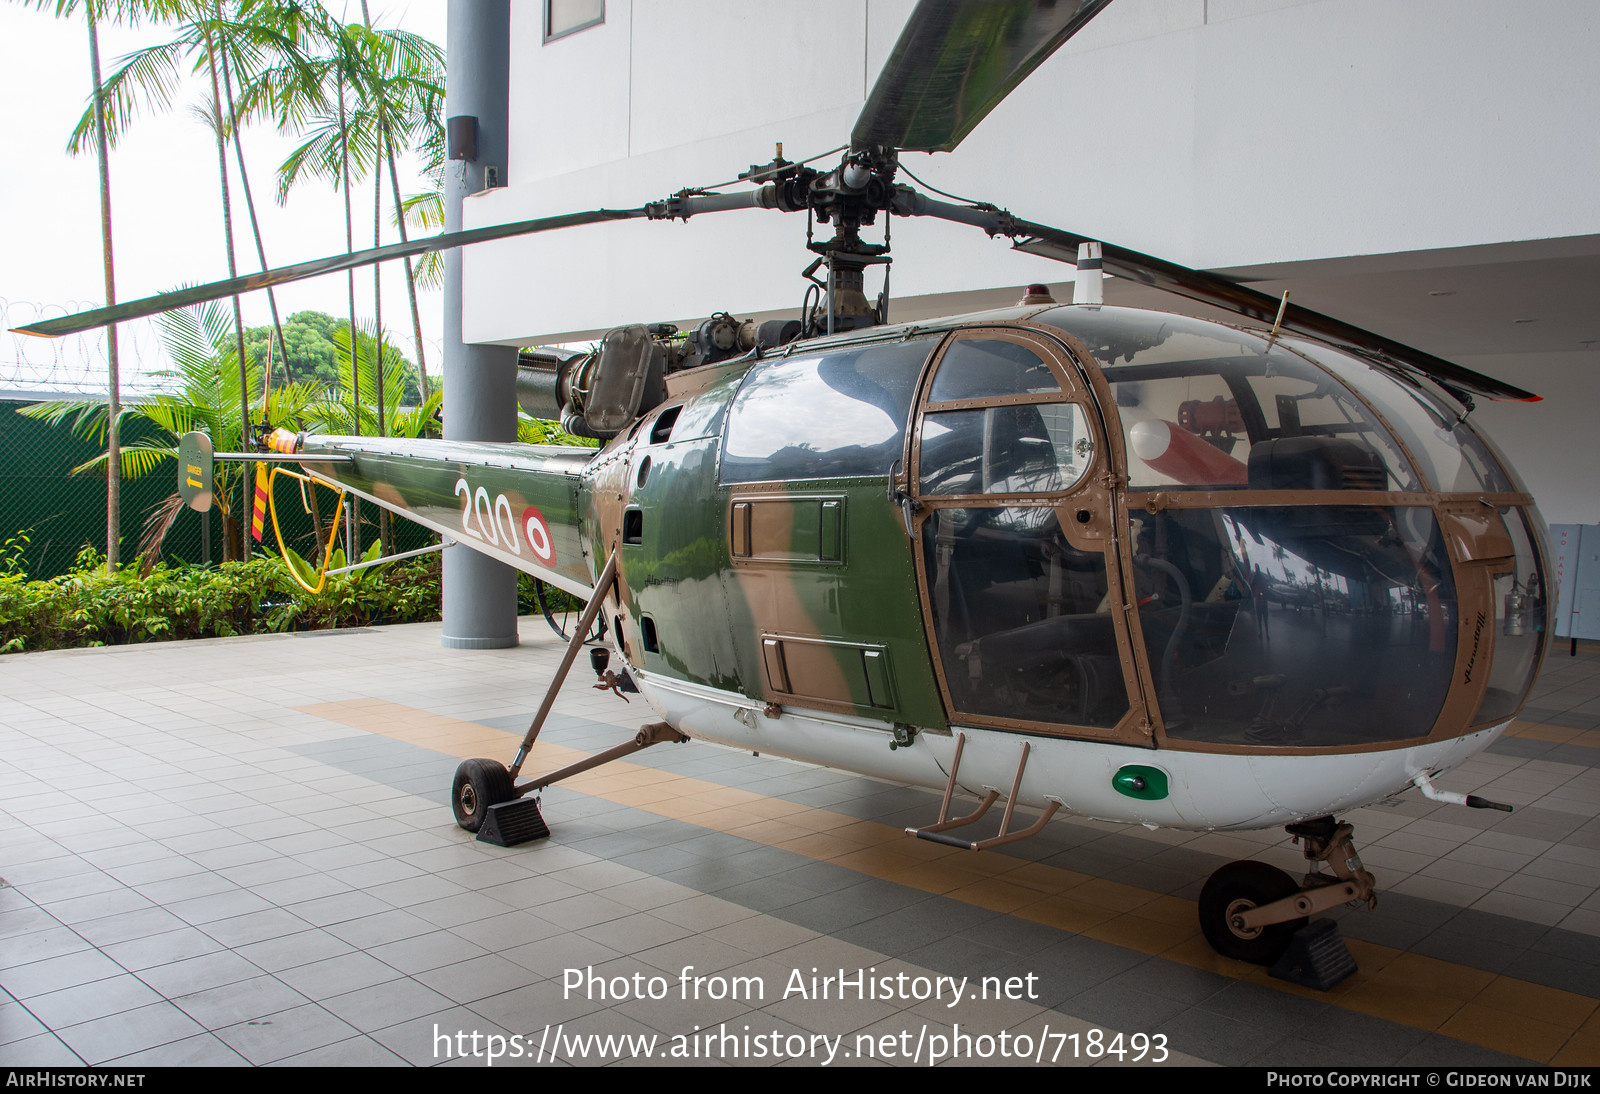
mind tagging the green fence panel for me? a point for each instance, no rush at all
(63, 513)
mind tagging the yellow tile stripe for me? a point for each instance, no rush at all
(1561, 735)
(1511, 1016)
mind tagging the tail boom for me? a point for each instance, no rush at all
(513, 502)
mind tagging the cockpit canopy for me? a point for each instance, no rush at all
(1205, 406)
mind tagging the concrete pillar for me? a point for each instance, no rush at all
(480, 403)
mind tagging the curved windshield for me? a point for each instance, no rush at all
(1520, 615)
(1296, 626)
(1453, 457)
(1204, 406)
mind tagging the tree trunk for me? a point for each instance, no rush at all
(250, 206)
(353, 549)
(411, 284)
(248, 476)
(386, 152)
(385, 536)
(113, 381)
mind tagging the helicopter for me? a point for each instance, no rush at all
(1119, 564)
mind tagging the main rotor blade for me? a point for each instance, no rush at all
(1222, 292)
(1209, 288)
(216, 290)
(957, 60)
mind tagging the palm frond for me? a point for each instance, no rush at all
(158, 522)
(148, 78)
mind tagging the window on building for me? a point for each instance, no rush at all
(563, 17)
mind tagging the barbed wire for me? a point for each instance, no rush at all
(79, 364)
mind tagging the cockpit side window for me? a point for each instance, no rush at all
(833, 414)
(986, 368)
(997, 422)
(1018, 449)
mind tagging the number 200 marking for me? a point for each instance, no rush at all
(475, 503)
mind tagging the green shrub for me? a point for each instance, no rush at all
(88, 607)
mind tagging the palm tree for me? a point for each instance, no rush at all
(93, 14)
(218, 47)
(203, 349)
(283, 31)
(346, 411)
(426, 210)
(397, 82)
(405, 84)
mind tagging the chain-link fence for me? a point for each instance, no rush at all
(60, 513)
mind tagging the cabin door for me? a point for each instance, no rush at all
(1016, 560)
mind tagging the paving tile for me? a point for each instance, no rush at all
(284, 1034)
(37, 945)
(375, 930)
(255, 927)
(341, 908)
(199, 973)
(239, 1001)
(356, 1052)
(16, 1024)
(388, 1004)
(337, 975)
(477, 978)
(161, 949)
(506, 931)
(87, 1002)
(57, 973)
(203, 1050)
(44, 1050)
(442, 1036)
(128, 1032)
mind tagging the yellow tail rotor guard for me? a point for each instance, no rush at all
(272, 506)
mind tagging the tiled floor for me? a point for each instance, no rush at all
(239, 851)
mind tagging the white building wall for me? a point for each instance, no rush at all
(1217, 133)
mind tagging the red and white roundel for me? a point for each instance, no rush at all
(537, 533)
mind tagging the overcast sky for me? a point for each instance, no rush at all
(165, 203)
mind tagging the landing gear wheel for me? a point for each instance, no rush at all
(478, 785)
(1234, 890)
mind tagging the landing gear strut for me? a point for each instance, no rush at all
(1250, 911)
(486, 797)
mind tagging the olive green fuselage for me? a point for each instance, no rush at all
(846, 610)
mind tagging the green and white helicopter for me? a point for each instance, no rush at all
(1091, 560)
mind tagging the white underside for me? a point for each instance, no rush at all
(1207, 790)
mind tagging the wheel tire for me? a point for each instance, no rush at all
(1236, 888)
(478, 785)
